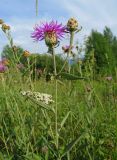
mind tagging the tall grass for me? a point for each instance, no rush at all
(86, 123)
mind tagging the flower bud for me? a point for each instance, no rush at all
(50, 39)
(72, 24)
(44, 149)
(67, 48)
(14, 48)
(80, 62)
(1, 21)
(5, 27)
(3, 68)
(88, 89)
(6, 62)
(26, 53)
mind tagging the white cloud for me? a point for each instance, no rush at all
(92, 13)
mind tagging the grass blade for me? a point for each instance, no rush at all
(71, 145)
(69, 76)
(64, 120)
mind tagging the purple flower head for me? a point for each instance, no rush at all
(50, 30)
(3, 68)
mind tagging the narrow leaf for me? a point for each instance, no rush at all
(41, 104)
(71, 145)
(49, 146)
(64, 120)
(68, 76)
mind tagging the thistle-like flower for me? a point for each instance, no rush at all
(50, 32)
(72, 25)
(3, 68)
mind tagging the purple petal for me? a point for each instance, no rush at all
(39, 31)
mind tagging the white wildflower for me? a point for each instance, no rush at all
(42, 97)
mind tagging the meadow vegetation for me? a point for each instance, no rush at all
(76, 117)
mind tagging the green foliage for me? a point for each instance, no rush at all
(10, 54)
(69, 76)
(45, 62)
(114, 48)
(104, 45)
(86, 120)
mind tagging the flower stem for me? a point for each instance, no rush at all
(56, 107)
(30, 81)
(63, 65)
(56, 119)
(54, 59)
(10, 39)
(71, 44)
(36, 8)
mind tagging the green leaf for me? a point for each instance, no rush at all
(1, 156)
(11, 42)
(34, 156)
(41, 104)
(69, 76)
(64, 120)
(60, 82)
(90, 95)
(78, 30)
(69, 147)
(49, 146)
(5, 157)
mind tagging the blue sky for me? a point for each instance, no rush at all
(20, 15)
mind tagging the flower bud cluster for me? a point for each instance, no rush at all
(43, 97)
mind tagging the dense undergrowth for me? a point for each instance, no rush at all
(87, 118)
